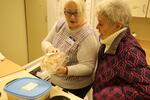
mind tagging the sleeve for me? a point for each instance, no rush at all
(48, 39)
(136, 72)
(87, 56)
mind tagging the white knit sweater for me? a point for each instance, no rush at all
(82, 54)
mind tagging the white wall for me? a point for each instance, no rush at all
(13, 42)
(51, 13)
(54, 11)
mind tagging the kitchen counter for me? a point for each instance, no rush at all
(19, 72)
(8, 67)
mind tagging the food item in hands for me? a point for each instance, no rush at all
(52, 61)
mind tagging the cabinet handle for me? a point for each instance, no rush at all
(46, 18)
(144, 8)
(149, 9)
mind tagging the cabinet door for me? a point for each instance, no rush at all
(36, 12)
(148, 12)
(55, 10)
(94, 17)
(89, 10)
(138, 7)
(13, 43)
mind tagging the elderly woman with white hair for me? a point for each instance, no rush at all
(74, 36)
(122, 72)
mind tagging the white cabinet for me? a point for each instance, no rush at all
(93, 12)
(89, 10)
(138, 7)
(148, 12)
(36, 15)
(54, 11)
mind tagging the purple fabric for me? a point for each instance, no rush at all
(123, 74)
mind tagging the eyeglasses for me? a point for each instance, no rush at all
(69, 13)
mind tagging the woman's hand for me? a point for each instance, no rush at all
(61, 71)
(52, 50)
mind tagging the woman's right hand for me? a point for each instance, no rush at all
(52, 50)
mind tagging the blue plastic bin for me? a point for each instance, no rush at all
(28, 89)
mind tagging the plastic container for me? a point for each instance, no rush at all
(28, 89)
(51, 62)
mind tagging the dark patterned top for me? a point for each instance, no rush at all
(124, 65)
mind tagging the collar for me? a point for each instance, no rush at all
(108, 41)
(114, 45)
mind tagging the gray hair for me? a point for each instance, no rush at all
(115, 11)
(80, 5)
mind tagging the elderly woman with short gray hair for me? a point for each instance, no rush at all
(122, 72)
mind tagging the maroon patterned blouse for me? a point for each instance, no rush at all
(122, 73)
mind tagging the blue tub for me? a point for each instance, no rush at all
(28, 89)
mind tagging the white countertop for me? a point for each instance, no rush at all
(23, 73)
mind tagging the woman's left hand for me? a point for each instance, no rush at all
(61, 71)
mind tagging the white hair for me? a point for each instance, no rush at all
(115, 11)
(80, 5)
